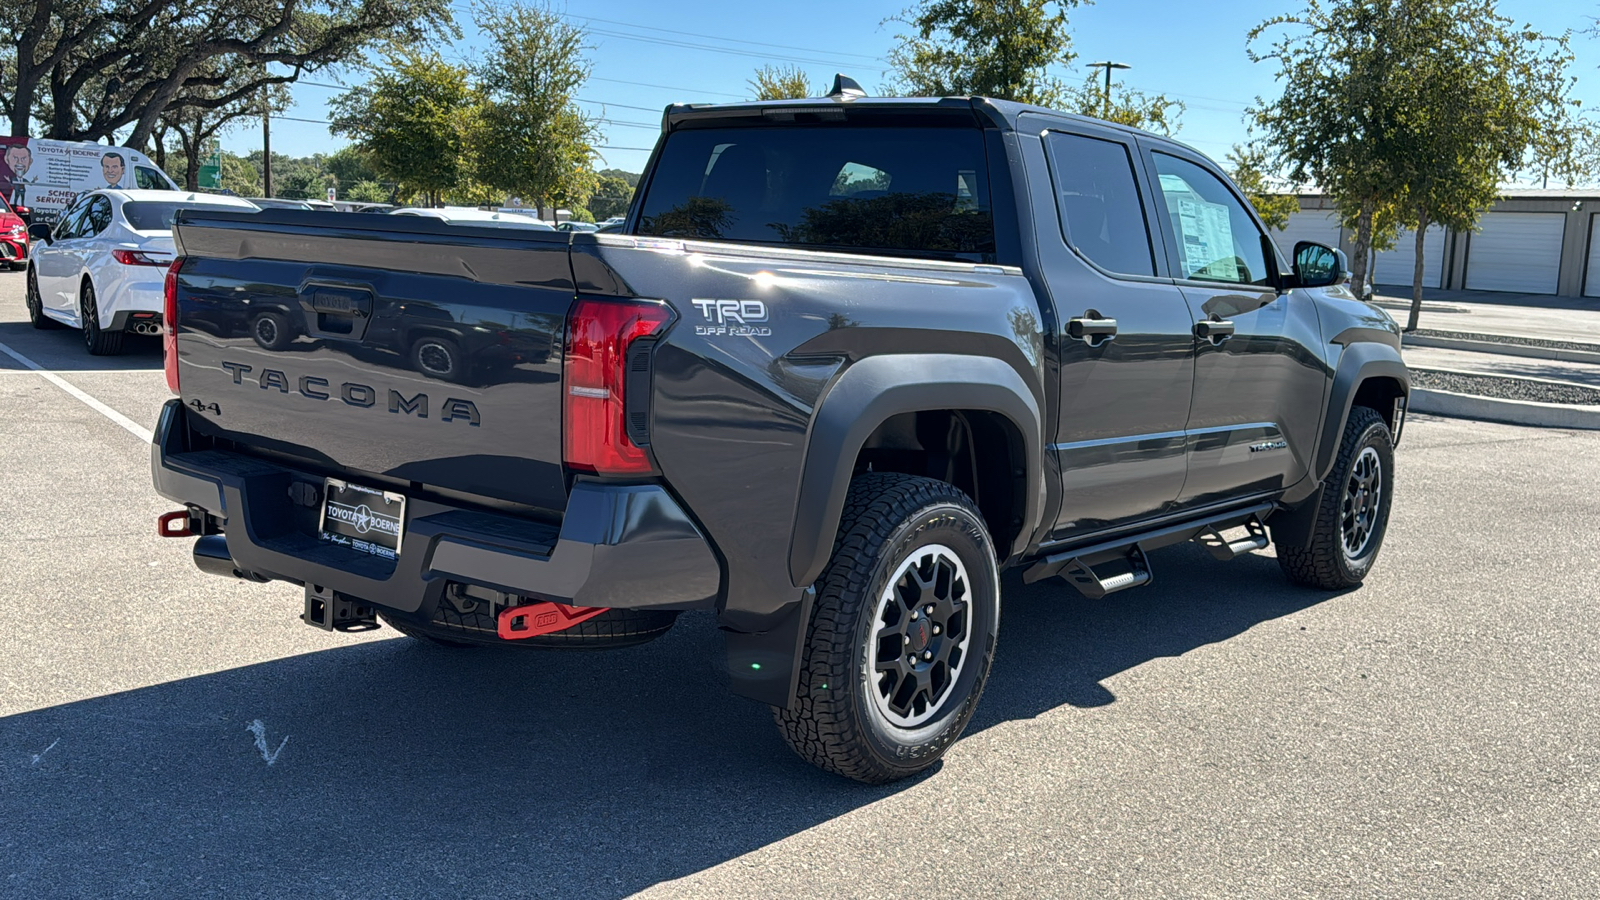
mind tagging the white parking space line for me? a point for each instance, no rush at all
(129, 425)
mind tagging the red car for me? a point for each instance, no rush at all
(13, 237)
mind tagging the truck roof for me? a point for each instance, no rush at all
(1002, 114)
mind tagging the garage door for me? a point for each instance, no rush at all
(1591, 280)
(1518, 252)
(1314, 225)
(1398, 265)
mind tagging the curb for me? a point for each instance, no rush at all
(1500, 349)
(1512, 412)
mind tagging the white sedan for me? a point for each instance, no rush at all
(471, 215)
(103, 265)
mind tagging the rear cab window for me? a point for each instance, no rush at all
(902, 190)
(157, 215)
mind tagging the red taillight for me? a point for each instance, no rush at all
(595, 428)
(136, 258)
(169, 324)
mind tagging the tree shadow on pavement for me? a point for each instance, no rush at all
(412, 770)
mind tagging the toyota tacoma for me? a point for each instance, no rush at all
(846, 361)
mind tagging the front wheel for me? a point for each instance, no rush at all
(1354, 512)
(902, 632)
(35, 304)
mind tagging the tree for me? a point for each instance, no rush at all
(414, 123)
(781, 83)
(1134, 108)
(1487, 98)
(350, 165)
(1336, 122)
(611, 197)
(89, 68)
(1247, 167)
(992, 48)
(197, 126)
(534, 141)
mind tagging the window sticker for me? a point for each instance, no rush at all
(1207, 237)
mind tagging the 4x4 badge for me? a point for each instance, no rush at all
(201, 406)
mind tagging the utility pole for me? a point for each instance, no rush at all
(266, 153)
(1108, 66)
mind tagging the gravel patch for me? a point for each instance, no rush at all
(1505, 388)
(1507, 339)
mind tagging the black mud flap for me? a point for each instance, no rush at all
(765, 666)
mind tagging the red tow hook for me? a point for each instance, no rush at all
(174, 524)
(534, 619)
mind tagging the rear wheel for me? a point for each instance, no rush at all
(271, 331)
(97, 340)
(902, 633)
(1354, 512)
(438, 357)
(35, 303)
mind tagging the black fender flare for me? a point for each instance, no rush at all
(1360, 362)
(864, 396)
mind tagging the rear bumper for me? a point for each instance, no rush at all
(627, 546)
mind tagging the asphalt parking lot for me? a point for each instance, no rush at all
(1220, 733)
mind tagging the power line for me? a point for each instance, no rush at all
(713, 37)
(654, 109)
(711, 48)
(668, 87)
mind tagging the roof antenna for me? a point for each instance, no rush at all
(846, 88)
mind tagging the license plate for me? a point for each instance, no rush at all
(362, 518)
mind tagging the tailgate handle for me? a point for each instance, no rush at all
(336, 312)
(341, 302)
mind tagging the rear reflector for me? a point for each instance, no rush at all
(169, 324)
(595, 431)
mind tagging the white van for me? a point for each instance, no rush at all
(44, 176)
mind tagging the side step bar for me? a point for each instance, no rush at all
(1115, 565)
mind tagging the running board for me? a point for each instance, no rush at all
(1223, 549)
(1115, 565)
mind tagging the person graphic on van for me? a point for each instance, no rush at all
(112, 166)
(18, 159)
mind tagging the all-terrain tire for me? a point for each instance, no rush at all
(1324, 562)
(35, 304)
(841, 721)
(611, 629)
(98, 341)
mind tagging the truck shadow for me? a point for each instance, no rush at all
(399, 769)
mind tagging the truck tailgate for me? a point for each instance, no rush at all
(381, 346)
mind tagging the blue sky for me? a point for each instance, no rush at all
(643, 59)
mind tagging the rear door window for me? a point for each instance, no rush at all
(98, 218)
(1102, 216)
(915, 191)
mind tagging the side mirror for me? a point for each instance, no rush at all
(1318, 266)
(40, 232)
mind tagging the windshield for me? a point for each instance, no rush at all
(903, 190)
(156, 215)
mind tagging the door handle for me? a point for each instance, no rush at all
(1214, 330)
(1092, 328)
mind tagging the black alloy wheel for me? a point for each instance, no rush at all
(1353, 513)
(902, 632)
(97, 340)
(35, 304)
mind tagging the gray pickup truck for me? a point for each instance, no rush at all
(847, 360)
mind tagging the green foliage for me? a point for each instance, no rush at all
(364, 192)
(632, 178)
(611, 196)
(349, 165)
(86, 69)
(993, 48)
(414, 123)
(696, 217)
(1247, 166)
(240, 176)
(534, 141)
(1412, 111)
(1134, 108)
(781, 83)
(215, 110)
(579, 214)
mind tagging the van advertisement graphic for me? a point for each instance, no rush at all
(46, 176)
